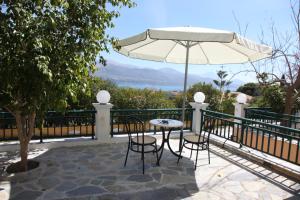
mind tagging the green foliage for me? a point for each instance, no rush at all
(130, 98)
(48, 50)
(212, 95)
(252, 89)
(85, 99)
(227, 105)
(272, 96)
(122, 98)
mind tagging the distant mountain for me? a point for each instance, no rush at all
(124, 74)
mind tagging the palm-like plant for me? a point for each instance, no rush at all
(221, 83)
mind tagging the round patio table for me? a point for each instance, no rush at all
(164, 124)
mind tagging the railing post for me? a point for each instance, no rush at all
(247, 112)
(242, 133)
(41, 135)
(93, 126)
(297, 120)
(197, 115)
(111, 124)
(103, 124)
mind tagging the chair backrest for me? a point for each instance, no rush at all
(207, 126)
(134, 127)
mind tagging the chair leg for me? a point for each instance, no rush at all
(127, 154)
(192, 151)
(208, 153)
(143, 158)
(180, 151)
(157, 162)
(197, 156)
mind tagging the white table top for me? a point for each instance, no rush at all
(172, 123)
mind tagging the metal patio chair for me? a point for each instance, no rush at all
(138, 141)
(200, 141)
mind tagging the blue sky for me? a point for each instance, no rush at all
(217, 14)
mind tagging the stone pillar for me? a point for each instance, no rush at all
(103, 121)
(197, 115)
(239, 110)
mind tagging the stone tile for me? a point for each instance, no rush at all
(96, 182)
(253, 186)
(157, 176)
(205, 195)
(252, 195)
(191, 187)
(53, 195)
(107, 177)
(128, 172)
(233, 186)
(108, 182)
(116, 188)
(86, 190)
(162, 193)
(140, 178)
(83, 181)
(65, 186)
(170, 172)
(28, 195)
(224, 193)
(48, 182)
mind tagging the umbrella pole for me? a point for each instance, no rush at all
(184, 89)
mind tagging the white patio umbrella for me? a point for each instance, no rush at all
(192, 45)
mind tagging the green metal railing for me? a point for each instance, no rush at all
(74, 123)
(117, 116)
(281, 142)
(266, 116)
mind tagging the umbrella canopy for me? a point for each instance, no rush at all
(192, 45)
(206, 46)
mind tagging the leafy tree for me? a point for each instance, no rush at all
(284, 65)
(85, 99)
(130, 98)
(252, 89)
(272, 96)
(228, 105)
(221, 84)
(47, 51)
(122, 98)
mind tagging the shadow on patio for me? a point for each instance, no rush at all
(97, 172)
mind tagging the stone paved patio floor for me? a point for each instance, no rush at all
(97, 172)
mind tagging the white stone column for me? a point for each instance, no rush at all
(197, 115)
(103, 121)
(239, 110)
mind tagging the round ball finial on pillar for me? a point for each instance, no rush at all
(199, 97)
(198, 105)
(241, 98)
(103, 96)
